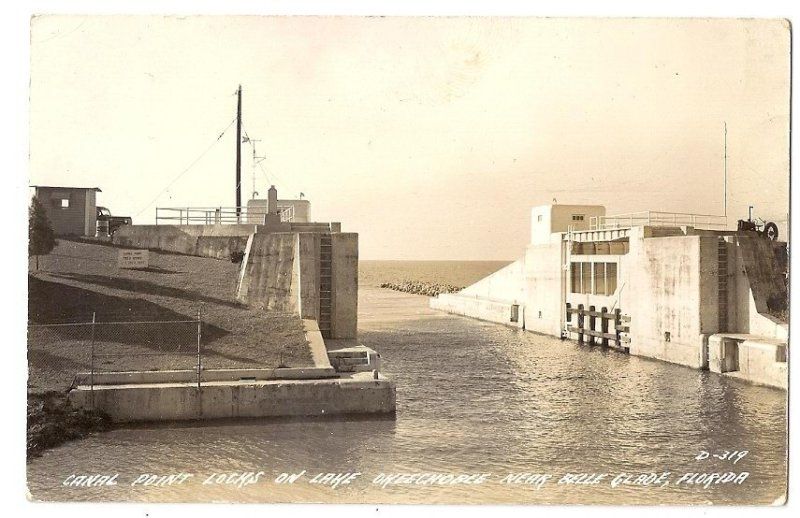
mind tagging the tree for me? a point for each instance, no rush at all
(41, 237)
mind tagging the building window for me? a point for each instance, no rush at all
(577, 217)
(575, 277)
(600, 279)
(611, 278)
(64, 203)
(515, 313)
(539, 218)
(586, 278)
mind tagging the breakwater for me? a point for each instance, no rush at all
(431, 289)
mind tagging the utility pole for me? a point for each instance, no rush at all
(239, 154)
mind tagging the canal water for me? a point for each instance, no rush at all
(472, 398)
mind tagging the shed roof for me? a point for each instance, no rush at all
(64, 187)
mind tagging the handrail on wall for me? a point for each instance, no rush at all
(218, 215)
(658, 219)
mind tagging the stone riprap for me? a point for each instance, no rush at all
(431, 289)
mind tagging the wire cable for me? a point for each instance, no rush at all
(187, 168)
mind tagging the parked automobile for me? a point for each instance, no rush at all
(114, 222)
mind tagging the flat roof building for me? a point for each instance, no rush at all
(71, 210)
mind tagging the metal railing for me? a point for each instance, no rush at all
(218, 215)
(658, 219)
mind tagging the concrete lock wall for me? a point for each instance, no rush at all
(269, 277)
(680, 288)
(761, 361)
(504, 285)
(281, 271)
(544, 287)
(482, 309)
(764, 363)
(344, 288)
(217, 241)
(359, 393)
(530, 286)
(664, 279)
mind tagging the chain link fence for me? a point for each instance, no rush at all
(58, 351)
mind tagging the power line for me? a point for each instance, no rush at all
(189, 167)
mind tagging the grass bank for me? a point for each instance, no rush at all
(78, 279)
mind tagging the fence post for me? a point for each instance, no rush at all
(580, 323)
(91, 369)
(604, 326)
(199, 334)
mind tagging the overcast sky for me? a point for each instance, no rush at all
(432, 138)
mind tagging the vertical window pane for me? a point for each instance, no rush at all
(600, 278)
(575, 277)
(587, 277)
(611, 278)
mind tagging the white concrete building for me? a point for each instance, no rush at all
(676, 287)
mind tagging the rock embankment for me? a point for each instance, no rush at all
(431, 289)
(53, 421)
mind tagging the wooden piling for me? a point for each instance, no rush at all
(604, 326)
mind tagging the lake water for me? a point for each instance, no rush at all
(472, 397)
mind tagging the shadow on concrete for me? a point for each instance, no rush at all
(145, 287)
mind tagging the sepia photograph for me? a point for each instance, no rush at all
(408, 259)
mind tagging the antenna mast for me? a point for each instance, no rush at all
(725, 170)
(239, 154)
(256, 160)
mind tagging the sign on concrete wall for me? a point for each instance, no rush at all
(133, 259)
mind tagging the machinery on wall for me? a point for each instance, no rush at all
(763, 228)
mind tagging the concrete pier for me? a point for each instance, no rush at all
(352, 385)
(753, 358)
(357, 393)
